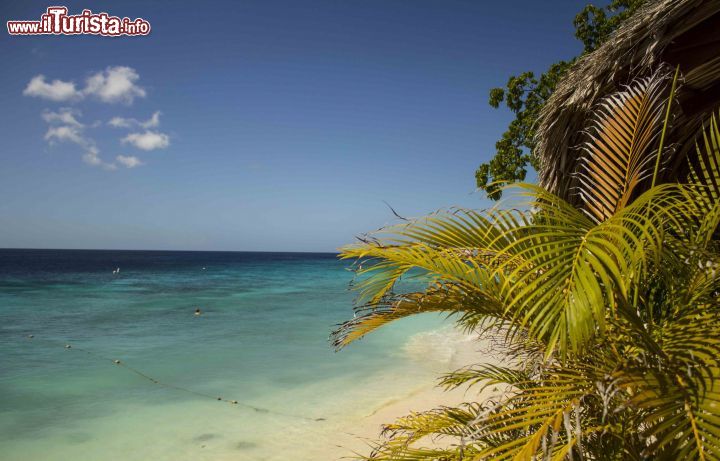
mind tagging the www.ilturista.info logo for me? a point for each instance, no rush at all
(57, 22)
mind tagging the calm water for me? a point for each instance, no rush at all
(262, 340)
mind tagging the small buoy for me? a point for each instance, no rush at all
(198, 311)
(116, 362)
(234, 402)
(219, 398)
(67, 346)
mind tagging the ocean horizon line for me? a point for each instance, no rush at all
(129, 250)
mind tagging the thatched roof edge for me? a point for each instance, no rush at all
(635, 49)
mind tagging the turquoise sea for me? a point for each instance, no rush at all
(262, 340)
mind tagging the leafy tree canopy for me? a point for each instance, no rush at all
(525, 95)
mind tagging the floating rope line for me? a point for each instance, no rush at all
(121, 363)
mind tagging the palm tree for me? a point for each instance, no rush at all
(609, 313)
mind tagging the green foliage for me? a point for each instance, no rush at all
(525, 95)
(610, 312)
(593, 24)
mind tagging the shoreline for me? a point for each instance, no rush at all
(420, 400)
(366, 427)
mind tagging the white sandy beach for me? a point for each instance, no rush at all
(425, 396)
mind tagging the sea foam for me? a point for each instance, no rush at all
(446, 346)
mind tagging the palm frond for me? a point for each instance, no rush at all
(677, 419)
(620, 152)
(704, 175)
(486, 375)
(611, 313)
(569, 273)
(468, 307)
(454, 245)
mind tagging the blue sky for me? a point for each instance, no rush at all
(282, 126)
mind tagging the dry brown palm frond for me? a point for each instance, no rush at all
(622, 146)
(638, 46)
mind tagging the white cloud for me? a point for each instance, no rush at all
(66, 133)
(149, 140)
(64, 116)
(65, 127)
(92, 157)
(153, 122)
(72, 131)
(115, 84)
(112, 85)
(57, 90)
(128, 161)
(120, 122)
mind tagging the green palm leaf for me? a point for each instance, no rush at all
(610, 314)
(471, 308)
(706, 172)
(569, 273)
(704, 175)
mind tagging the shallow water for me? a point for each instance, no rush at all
(262, 340)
